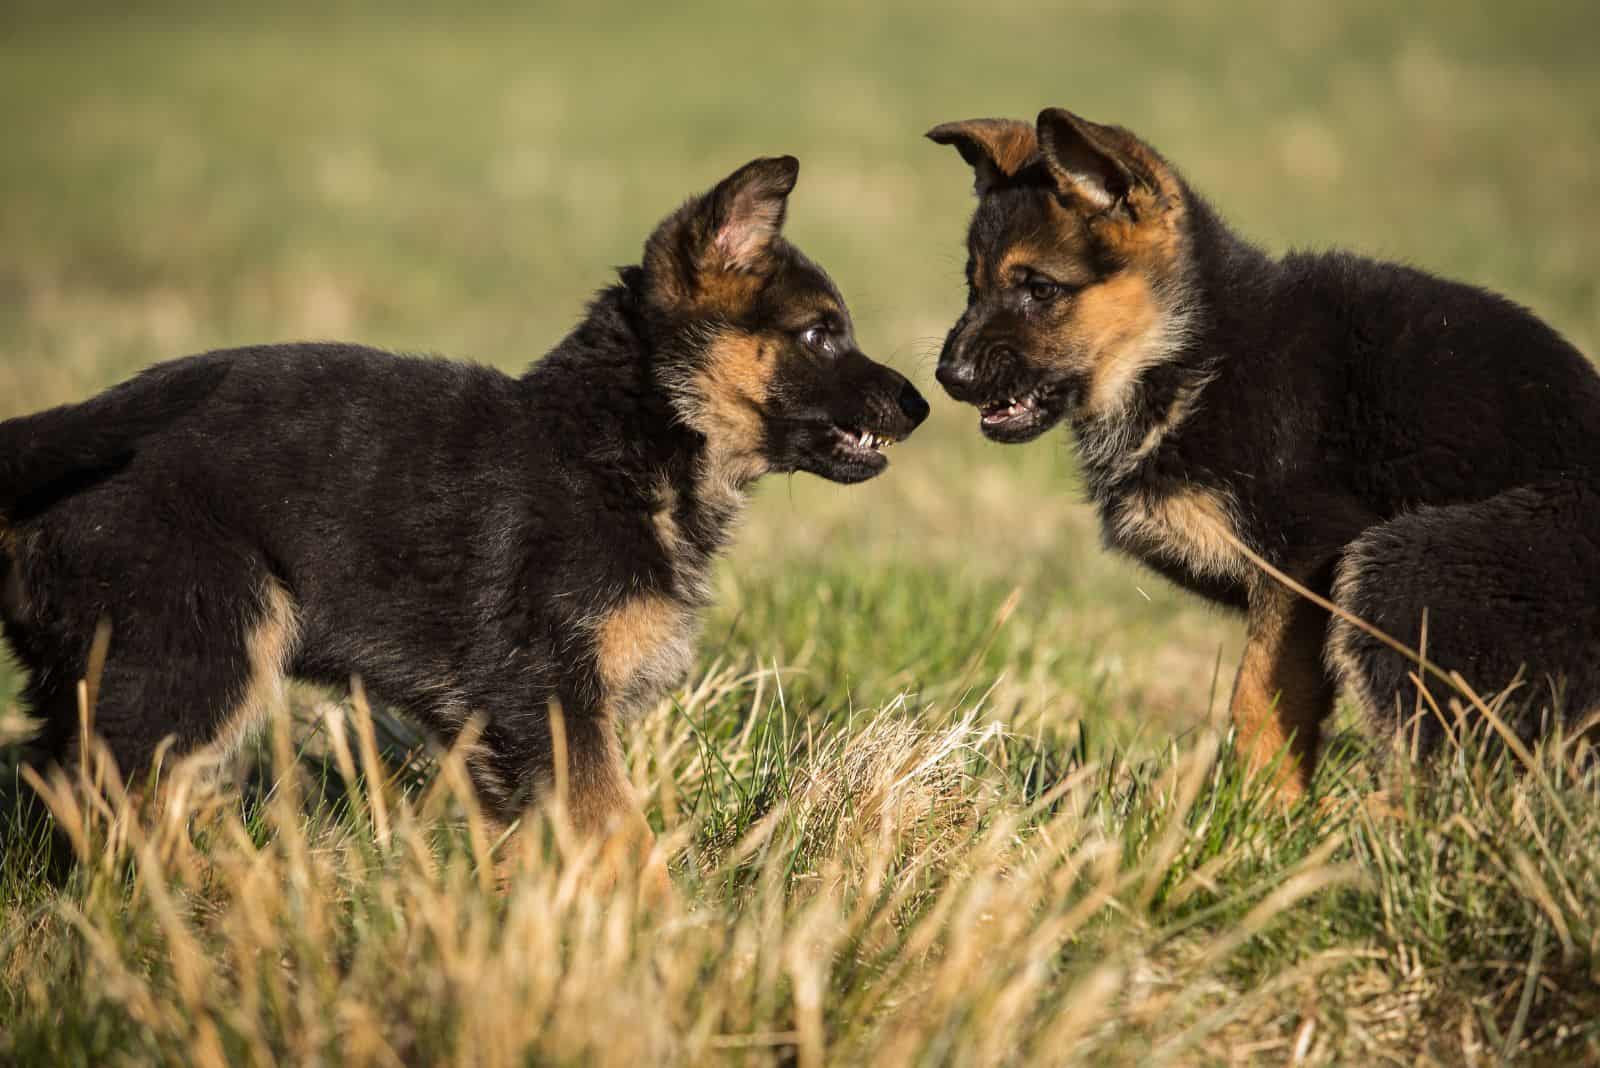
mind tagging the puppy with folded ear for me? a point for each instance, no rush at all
(1402, 445)
(475, 547)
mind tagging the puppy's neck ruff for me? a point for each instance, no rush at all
(681, 444)
(1182, 357)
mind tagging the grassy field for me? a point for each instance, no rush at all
(950, 785)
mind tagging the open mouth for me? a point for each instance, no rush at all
(852, 454)
(839, 452)
(862, 444)
(1018, 418)
(863, 448)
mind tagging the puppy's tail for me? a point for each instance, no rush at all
(41, 454)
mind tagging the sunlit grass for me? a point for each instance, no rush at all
(910, 885)
(950, 783)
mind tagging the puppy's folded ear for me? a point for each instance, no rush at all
(1096, 166)
(747, 210)
(995, 149)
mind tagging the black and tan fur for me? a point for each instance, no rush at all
(1402, 444)
(475, 547)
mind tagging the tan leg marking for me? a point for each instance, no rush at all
(600, 798)
(601, 806)
(642, 647)
(1283, 693)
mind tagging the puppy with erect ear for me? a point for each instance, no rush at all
(1080, 239)
(757, 350)
(1389, 440)
(475, 547)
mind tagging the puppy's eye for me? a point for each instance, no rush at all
(818, 337)
(1043, 290)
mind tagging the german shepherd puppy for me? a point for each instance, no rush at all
(471, 545)
(1398, 443)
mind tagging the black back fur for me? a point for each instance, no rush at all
(1408, 446)
(473, 546)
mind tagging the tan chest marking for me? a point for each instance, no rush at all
(1187, 527)
(642, 648)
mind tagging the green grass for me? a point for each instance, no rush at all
(949, 784)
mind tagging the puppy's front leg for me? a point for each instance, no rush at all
(1283, 692)
(596, 800)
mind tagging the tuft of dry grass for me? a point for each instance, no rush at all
(889, 904)
(910, 886)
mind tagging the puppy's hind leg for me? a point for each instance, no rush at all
(195, 683)
(1510, 585)
(168, 685)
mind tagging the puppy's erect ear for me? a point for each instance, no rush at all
(747, 210)
(711, 253)
(1095, 165)
(995, 149)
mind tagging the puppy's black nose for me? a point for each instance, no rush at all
(956, 377)
(912, 404)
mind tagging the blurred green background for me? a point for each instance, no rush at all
(179, 179)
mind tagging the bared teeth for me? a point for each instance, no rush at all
(1012, 407)
(867, 439)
